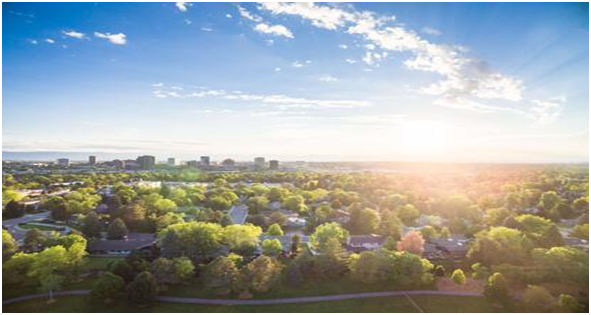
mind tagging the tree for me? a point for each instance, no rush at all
(499, 245)
(183, 269)
(444, 233)
(537, 299)
(408, 214)
(9, 195)
(327, 231)
(390, 243)
(428, 232)
(220, 274)
(257, 204)
(581, 231)
(440, 271)
(294, 203)
(107, 287)
(163, 271)
(549, 200)
(143, 289)
(9, 245)
(167, 219)
(497, 290)
(242, 238)
(568, 304)
(379, 266)
(295, 244)
(277, 218)
(34, 240)
(271, 247)
(364, 221)
(293, 275)
(412, 242)
(50, 283)
(196, 240)
(219, 203)
(13, 210)
(117, 230)
(458, 277)
(480, 271)
(59, 208)
(275, 230)
(278, 194)
(562, 263)
(261, 273)
(92, 225)
(390, 225)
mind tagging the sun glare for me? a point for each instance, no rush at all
(424, 137)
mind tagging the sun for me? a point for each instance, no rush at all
(423, 137)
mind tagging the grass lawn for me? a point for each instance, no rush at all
(39, 227)
(370, 305)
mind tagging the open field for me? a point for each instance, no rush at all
(373, 305)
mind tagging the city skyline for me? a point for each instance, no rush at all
(383, 82)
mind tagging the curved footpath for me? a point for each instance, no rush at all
(306, 299)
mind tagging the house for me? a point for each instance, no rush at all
(359, 243)
(577, 243)
(456, 246)
(238, 214)
(133, 242)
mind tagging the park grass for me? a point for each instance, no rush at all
(28, 226)
(79, 304)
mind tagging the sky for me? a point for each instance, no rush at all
(443, 82)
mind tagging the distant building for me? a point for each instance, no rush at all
(193, 163)
(92, 160)
(142, 242)
(205, 161)
(63, 162)
(228, 162)
(259, 162)
(274, 165)
(171, 162)
(146, 162)
(359, 243)
(119, 164)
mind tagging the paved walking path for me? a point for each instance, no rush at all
(306, 299)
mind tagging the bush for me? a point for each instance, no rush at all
(458, 277)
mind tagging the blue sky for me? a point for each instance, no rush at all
(363, 81)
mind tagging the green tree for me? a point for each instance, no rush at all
(257, 204)
(408, 214)
(537, 299)
(34, 240)
(294, 203)
(568, 304)
(390, 243)
(275, 230)
(261, 273)
(390, 225)
(163, 271)
(278, 194)
(143, 289)
(183, 269)
(9, 245)
(277, 218)
(59, 208)
(92, 225)
(480, 271)
(429, 232)
(196, 240)
(13, 210)
(364, 221)
(107, 287)
(499, 245)
(271, 247)
(327, 231)
(497, 290)
(458, 277)
(295, 244)
(117, 230)
(220, 274)
(581, 231)
(51, 282)
(242, 238)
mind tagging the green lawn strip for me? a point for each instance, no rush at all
(79, 304)
(39, 227)
(451, 304)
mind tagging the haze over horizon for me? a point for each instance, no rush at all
(461, 82)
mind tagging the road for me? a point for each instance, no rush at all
(294, 300)
(12, 224)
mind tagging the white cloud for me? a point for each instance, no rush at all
(229, 15)
(282, 102)
(183, 6)
(431, 31)
(463, 77)
(276, 30)
(188, 22)
(269, 42)
(117, 39)
(351, 61)
(546, 112)
(277, 69)
(207, 29)
(328, 78)
(49, 40)
(343, 46)
(74, 34)
(247, 15)
(33, 41)
(297, 64)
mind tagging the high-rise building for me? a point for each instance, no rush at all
(259, 162)
(274, 165)
(205, 161)
(119, 164)
(92, 160)
(171, 162)
(146, 162)
(63, 162)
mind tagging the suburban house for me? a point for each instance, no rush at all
(359, 243)
(133, 242)
(456, 246)
(238, 214)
